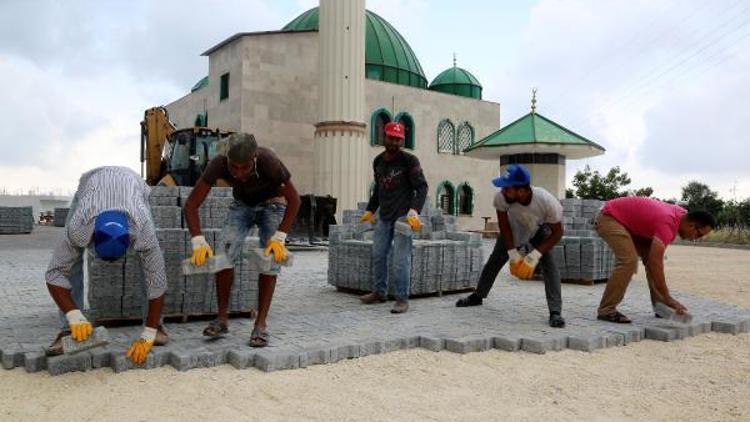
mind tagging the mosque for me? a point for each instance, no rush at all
(320, 90)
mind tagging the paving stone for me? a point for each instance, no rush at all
(349, 351)
(468, 345)
(431, 343)
(80, 362)
(268, 360)
(241, 359)
(587, 344)
(371, 347)
(725, 327)
(12, 358)
(543, 345)
(35, 361)
(661, 333)
(509, 344)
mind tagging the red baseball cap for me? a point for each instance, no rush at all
(394, 129)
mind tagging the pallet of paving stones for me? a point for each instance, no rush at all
(60, 216)
(117, 292)
(16, 220)
(443, 259)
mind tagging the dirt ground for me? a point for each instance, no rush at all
(705, 378)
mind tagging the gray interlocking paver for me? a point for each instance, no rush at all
(311, 323)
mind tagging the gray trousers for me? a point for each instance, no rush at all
(499, 257)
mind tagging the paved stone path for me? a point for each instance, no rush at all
(311, 323)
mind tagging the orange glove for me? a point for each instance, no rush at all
(525, 269)
(412, 219)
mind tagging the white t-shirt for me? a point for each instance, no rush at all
(525, 220)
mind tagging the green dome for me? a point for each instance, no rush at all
(388, 57)
(457, 81)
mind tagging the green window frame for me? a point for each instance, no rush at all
(464, 137)
(409, 136)
(445, 197)
(378, 120)
(464, 199)
(446, 137)
(224, 87)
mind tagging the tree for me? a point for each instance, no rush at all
(593, 185)
(700, 197)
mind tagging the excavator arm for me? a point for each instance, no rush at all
(156, 130)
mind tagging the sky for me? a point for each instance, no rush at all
(663, 85)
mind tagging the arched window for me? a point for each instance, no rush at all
(445, 197)
(446, 134)
(377, 126)
(465, 199)
(464, 137)
(405, 119)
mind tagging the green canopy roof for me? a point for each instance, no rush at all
(457, 81)
(388, 57)
(534, 133)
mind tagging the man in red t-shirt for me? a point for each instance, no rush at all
(643, 227)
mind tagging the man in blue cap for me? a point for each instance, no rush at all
(109, 213)
(529, 217)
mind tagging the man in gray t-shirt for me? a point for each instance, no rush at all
(529, 217)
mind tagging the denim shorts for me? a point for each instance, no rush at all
(240, 219)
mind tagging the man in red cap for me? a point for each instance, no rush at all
(400, 190)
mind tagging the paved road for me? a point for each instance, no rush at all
(312, 323)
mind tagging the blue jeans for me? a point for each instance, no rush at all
(240, 219)
(401, 259)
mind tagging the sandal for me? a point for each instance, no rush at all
(259, 338)
(615, 317)
(216, 329)
(56, 349)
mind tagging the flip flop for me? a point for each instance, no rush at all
(216, 329)
(258, 338)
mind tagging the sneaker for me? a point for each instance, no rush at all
(470, 300)
(371, 298)
(556, 321)
(400, 307)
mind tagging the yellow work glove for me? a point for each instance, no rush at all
(201, 250)
(80, 327)
(514, 258)
(412, 219)
(368, 217)
(140, 348)
(276, 247)
(525, 268)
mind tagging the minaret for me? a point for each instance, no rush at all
(341, 162)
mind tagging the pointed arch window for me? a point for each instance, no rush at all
(405, 119)
(446, 134)
(465, 199)
(464, 137)
(445, 197)
(378, 120)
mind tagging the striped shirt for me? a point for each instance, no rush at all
(102, 189)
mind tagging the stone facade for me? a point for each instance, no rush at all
(273, 93)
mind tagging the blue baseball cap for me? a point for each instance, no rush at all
(515, 175)
(111, 235)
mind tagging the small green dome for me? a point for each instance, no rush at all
(457, 81)
(388, 56)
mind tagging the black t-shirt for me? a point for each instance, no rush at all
(399, 185)
(265, 180)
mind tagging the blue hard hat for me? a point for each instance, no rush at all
(111, 235)
(516, 175)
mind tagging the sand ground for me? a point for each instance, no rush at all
(704, 378)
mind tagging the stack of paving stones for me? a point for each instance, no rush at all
(60, 215)
(16, 220)
(582, 256)
(116, 289)
(443, 259)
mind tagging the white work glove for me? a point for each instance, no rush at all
(276, 246)
(201, 250)
(140, 348)
(514, 256)
(525, 269)
(80, 327)
(412, 219)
